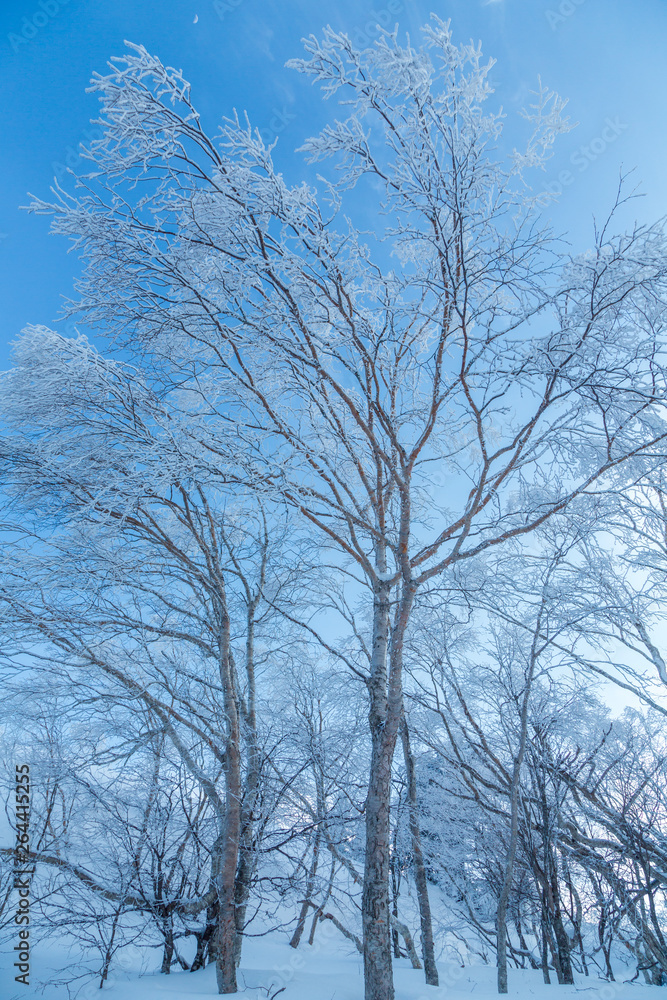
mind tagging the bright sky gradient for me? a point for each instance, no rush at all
(607, 56)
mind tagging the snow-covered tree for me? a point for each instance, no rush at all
(405, 356)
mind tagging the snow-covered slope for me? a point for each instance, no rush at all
(330, 970)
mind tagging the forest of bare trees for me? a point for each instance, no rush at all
(335, 558)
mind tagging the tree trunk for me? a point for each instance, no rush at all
(421, 882)
(544, 946)
(384, 717)
(524, 945)
(563, 944)
(168, 951)
(203, 940)
(310, 885)
(395, 943)
(576, 914)
(501, 945)
(225, 931)
(228, 842)
(564, 967)
(320, 909)
(247, 857)
(404, 931)
(503, 899)
(378, 978)
(108, 954)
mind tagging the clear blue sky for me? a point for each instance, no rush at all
(609, 57)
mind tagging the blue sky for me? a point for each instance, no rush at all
(606, 56)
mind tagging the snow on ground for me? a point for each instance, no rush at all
(330, 970)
